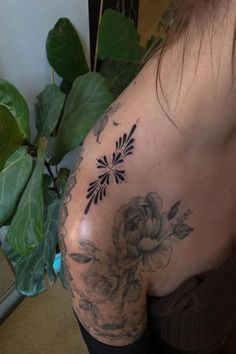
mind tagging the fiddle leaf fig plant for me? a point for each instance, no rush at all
(26, 229)
(118, 39)
(89, 97)
(10, 135)
(11, 98)
(48, 109)
(65, 52)
(16, 172)
(31, 182)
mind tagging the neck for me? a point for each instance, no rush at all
(201, 97)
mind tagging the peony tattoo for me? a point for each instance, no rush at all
(144, 232)
(143, 236)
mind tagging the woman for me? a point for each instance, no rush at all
(148, 220)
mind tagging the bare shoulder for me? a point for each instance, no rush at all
(127, 216)
(107, 287)
(108, 166)
(118, 226)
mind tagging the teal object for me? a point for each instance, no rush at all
(57, 263)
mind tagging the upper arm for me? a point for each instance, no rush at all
(114, 232)
(107, 286)
(110, 296)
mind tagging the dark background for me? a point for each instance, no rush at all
(129, 7)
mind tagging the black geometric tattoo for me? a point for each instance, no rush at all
(103, 120)
(111, 169)
(143, 236)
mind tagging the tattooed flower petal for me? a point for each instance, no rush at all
(155, 203)
(133, 292)
(166, 228)
(100, 282)
(143, 231)
(148, 244)
(132, 251)
(182, 230)
(152, 227)
(158, 258)
(85, 305)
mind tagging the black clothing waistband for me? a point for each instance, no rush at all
(144, 345)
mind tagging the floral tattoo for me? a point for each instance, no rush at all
(111, 169)
(143, 232)
(143, 236)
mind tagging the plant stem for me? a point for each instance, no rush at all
(99, 21)
(32, 149)
(48, 167)
(52, 79)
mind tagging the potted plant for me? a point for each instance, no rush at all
(31, 182)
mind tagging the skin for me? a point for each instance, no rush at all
(172, 214)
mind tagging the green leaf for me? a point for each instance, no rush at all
(65, 52)
(26, 229)
(49, 193)
(3, 233)
(62, 179)
(66, 86)
(48, 109)
(10, 135)
(87, 100)
(49, 196)
(118, 38)
(118, 75)
(47, 181)
(13, 179)
(10, 253)
(11, 98)
(50, 242)
(30, 270)
(30, 273)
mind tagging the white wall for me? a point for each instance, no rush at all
(24, 25)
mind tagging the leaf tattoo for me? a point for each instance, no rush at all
(112, 169)
(103, 120)
(89, 253)
(173, 211)
(80, 258)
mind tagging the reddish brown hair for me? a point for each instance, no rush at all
(181, 17)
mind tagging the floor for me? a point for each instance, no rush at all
(42, 325)
(6, 275)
